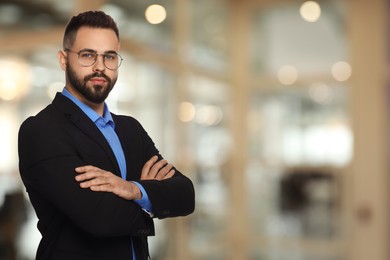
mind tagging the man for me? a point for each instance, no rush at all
(95, 179)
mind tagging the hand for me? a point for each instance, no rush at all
(97, 179)
(154, 170)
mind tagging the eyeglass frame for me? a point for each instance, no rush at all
(97, 54)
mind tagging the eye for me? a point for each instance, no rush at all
(110, 56)
(87, 55)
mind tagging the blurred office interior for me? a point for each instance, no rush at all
(276, 109)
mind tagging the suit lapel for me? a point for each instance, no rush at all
(84, 123)
(129, 144)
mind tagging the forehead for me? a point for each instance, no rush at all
(96, 38)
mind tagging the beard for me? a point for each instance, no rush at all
(98, 92)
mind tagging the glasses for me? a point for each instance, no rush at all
(87, 58)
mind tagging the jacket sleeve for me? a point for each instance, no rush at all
(171, 197)
(47, 159)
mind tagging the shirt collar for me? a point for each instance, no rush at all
(95, 117)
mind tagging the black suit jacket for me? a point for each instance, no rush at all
(77, 223)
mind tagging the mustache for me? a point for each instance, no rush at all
(97, 75)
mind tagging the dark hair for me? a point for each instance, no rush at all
(93, 19)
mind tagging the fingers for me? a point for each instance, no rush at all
(89, 176)
(90, 172)
(165, 172)
(98, 181)
(148, 165)
(157, 167)
(157, 170)
(86, 168)
(169, 175)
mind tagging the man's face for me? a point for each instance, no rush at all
(95, 82)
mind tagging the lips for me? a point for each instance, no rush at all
(98, 80)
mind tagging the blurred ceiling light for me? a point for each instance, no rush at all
(15, 78)
(209, 115)
(186, 112)
(321, 93)
(310, 11)
(287, 75)
(341, 71)
(155, 14)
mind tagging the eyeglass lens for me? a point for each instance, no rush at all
(110, 60)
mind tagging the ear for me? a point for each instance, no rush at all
(61, 55)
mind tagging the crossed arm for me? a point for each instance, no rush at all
(97, 179)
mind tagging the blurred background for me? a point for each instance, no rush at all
(276, 109)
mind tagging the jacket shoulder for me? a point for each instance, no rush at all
(124, 119)
(45, 119)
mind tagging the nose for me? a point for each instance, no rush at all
(99, 64)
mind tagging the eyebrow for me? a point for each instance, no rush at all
(106, 52)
